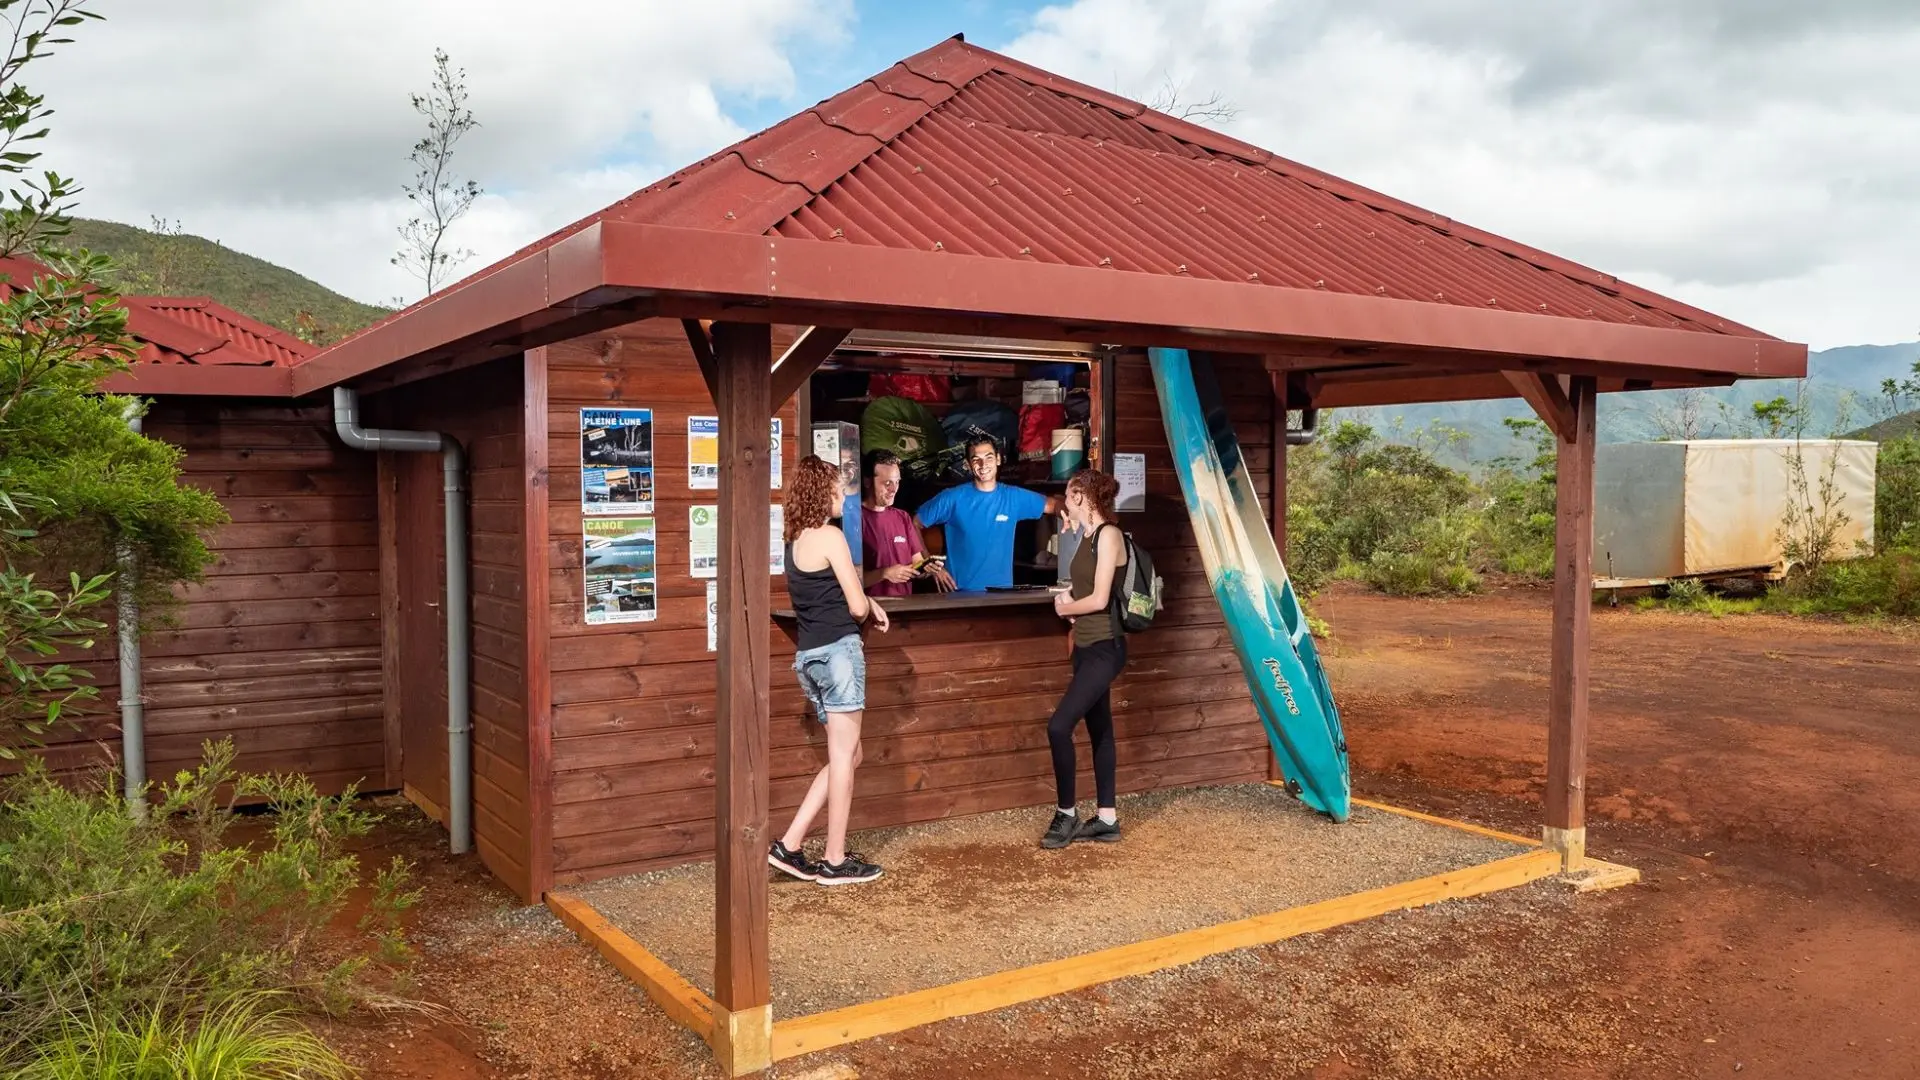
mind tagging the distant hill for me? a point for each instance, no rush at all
(1894, 427)
(169, 264)
(1841, 390)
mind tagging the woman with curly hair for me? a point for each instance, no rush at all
(1099, 652)
(828, 604)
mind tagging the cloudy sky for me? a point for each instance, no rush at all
(1759, 158)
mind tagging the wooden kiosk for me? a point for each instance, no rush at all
(960, 193)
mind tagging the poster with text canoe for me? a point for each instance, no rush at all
(620, 578)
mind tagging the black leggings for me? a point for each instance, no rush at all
(1094, 669)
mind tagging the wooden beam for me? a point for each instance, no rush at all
(538, 628)
(702, 347)
(1549, 400)
(807, 1034)
(814, 344)
(743, 355)
(1277, 499)
(1572, 615)
(683, 1002)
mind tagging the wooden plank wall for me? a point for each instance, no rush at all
(957, 707)
(482, 407)
(279, 647)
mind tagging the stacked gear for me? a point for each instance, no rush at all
(908, 429)
(973, 420)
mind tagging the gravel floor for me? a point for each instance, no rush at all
(972, 896)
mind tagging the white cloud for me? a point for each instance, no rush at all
(1755, 158)
(282, 127)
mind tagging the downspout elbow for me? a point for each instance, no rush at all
(1309, 429)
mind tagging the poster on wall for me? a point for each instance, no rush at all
(1131, 471)
(703, 453)
(703, 541)
(616, 461)
(713, 616)
(618, 556)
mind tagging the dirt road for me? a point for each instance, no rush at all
(1763, 772)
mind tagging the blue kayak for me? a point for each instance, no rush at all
(1247, 576)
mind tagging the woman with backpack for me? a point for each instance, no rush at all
(1099, 652)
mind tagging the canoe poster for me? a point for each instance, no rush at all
(619, 561)
(703, 453)
(616, 461)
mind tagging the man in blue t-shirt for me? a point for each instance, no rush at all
(980, 519)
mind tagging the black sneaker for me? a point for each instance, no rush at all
(1095, 828)
(1061, 832)
(851, 870)
(795, 863)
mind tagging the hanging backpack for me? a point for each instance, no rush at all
(1136, 590)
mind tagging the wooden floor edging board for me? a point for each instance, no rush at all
(807, 1034)
(1479, 830)
(682, 1001)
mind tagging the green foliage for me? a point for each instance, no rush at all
(243, 1038)
(1519, 520)
(1884, 584)
(78, 488)
(167, 261)
(1896, 505)
(106, 915)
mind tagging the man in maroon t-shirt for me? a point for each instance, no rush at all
(891, 549)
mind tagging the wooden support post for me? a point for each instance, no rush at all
(1102, 382)
(743, 1019)
(538, 631)
(1565, 829)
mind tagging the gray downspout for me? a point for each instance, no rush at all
(1309, 428)
(133, 701)
(453, 471)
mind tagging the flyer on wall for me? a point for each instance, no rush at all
(703, 540)
(618, 555)
(703, 453)
(713, 616)
(616, 461)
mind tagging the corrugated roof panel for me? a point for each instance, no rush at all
(961, 149)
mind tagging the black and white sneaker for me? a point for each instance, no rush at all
(1061, 832)
(795, 863)
(851, 870)
(1097, 828)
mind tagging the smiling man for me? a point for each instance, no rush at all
(892, 552)
(980, 519)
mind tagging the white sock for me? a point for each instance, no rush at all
(1110, 815)
(1067, 810)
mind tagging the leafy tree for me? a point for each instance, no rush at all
(78, 487)
(439, 197)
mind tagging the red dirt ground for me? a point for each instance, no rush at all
(1763, 772)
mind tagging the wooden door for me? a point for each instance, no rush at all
(422, 676)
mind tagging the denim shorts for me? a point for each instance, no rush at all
(834, 676)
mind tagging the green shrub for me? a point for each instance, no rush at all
(1686, 592)
(1885, 584)
(243, 1038)
(1896, 505)
(105, 916)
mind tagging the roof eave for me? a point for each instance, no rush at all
(611, 262)
(194, 380)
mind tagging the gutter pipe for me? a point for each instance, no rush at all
(133, 700)
(1309, 429)
(453, 471)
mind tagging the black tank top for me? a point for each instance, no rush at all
(819, 605)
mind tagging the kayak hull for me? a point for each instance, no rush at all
(1249, 580)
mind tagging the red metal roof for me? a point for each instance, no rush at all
(197, 330)
(962, 150)
(965, 192)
